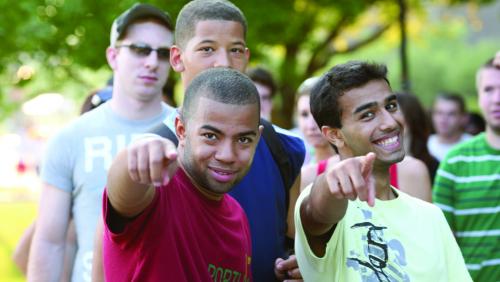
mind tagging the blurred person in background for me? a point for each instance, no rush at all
(417, 131)
(21, 253)
(266, 85)
(323, 153)
(75, 166)
(475, 124)
(468, 181)
(411, 175)
(448, 119)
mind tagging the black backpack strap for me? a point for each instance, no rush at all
(285, 166)
(164, 131)
(279, 155)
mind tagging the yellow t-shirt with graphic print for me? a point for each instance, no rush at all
(404, 239)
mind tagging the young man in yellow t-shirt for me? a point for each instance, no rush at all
(351, 224)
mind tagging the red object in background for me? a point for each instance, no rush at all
(21, 167)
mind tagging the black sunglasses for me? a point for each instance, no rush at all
(143, 50)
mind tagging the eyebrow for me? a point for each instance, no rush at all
(216, 130)
(364, 107)
(390, 98)
(210, 41)
(373, 104)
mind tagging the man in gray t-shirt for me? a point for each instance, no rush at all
(448, 118)
(75, 166)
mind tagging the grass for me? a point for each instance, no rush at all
(15, 217)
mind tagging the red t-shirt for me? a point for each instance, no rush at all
(181, 236)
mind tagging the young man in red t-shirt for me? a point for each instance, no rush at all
(187, 228)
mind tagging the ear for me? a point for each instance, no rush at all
(261, 129)
(334, 136)
(111, 57)
(176, 59)
(180, 130)
(247, 54)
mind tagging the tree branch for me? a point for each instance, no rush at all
(322, 57)
(361, 43)
(335, 30)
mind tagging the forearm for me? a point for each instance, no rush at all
(320, 211)
(45, 260)
(127, 197)
(97, 261)
(47, 247)
(292, 200)
(22, 251)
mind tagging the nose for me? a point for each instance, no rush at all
(225, 152)
(389, 121)
(311, 123)
(222, 59)
(151, 61)
(496, 96)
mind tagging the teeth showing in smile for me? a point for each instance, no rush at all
(388, 141)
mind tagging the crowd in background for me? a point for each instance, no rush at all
(451, 159)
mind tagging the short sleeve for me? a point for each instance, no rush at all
(58, 161)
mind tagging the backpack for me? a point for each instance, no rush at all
(273, 142)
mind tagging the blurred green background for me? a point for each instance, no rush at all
(57, 47)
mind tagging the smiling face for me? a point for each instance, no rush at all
(217, 144)
(216, 43)
(489, 97)
(371, 122)
(138, 76)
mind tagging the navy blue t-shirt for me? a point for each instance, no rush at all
(261, 193)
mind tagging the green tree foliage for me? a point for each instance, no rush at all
(66, 39)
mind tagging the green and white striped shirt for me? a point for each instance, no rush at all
(467, 189)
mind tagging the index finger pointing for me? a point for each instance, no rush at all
(170, 150)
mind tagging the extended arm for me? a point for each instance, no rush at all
(47, 248)
(327, 203)
(134, 172)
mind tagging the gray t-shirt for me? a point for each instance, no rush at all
(439, 150)
(77, 161)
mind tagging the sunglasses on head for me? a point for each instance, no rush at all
(143, 50)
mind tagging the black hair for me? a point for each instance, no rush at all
(201, 10)
(223, 85)
(264, 77)
(419, 126)
(324, 101)
(452, 97)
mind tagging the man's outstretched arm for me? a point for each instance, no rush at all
(136, 170)
(327, 203)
